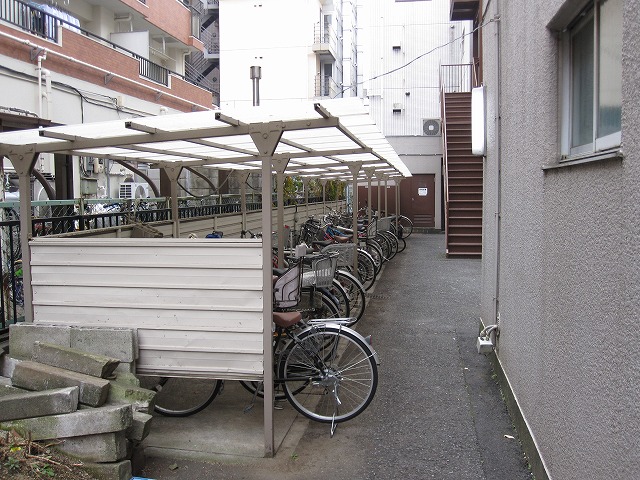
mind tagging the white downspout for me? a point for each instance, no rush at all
(498, 154)
(39, 71)
(47, 92)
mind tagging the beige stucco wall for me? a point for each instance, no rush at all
(566, 248)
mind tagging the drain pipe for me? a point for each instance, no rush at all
(498, 126)
(40, 72)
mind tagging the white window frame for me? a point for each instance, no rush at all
(598, 144)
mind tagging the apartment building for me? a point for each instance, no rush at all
(306, 49)
(80, 61)
(561, 227)
(402, 47)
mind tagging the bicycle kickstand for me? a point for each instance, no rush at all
(248, 408)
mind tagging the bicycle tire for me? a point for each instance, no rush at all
(407, 226)
(180, 396)
(372, 247)
(340, 293)
(385, 246)
(366, 270)
(392, 241)
(329, 373)
(356, 293)
(402, 244)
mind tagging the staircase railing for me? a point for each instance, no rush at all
(455, 78)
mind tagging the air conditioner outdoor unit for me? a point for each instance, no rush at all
(134, 190)
(431, 127)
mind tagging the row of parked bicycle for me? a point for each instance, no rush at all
(324, 368)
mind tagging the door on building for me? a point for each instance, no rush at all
(418, 199)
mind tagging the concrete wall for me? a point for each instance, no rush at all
(563, 260)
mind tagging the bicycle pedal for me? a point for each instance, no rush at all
(248, 408)
(278, 406)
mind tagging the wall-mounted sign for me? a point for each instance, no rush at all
(422, 192)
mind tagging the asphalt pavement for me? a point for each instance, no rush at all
(438, 412)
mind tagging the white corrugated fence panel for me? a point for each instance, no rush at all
(197, 304)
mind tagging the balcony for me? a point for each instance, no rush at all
(464, 9)
(325, 43)
(326, 87)
(68, 40)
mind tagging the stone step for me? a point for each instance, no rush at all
(99, 448)
(19, 404)
(87, 421)
(110, 471)
(74, 360)
(36, 376)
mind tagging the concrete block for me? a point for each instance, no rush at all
(75, 360)
(7, 364)
(23, 335)
(25, 404)
(109, 471)
(118, 343)
(103, 447)
(140, 427)
(125, 367)
(88, 421)
(141, 399)
(36, 376)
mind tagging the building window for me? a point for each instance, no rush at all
(591, 85)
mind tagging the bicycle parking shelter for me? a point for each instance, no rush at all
(200, 307)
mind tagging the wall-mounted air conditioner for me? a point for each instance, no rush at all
(134, 190)
(431, 127)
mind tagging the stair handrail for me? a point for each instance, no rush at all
(445, 163)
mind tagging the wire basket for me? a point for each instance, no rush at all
(346, 253)
(372, 228)
(384, 224)
(323, 269)
(287, 237)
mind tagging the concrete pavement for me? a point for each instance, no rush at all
(438, 412)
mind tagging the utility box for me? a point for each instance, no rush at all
(88, 186)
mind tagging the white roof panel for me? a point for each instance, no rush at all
(323, 136)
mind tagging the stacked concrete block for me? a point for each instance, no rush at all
(67, 383)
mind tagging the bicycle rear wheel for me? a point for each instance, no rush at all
(181, 397)
(329, 373)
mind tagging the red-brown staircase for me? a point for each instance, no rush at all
(463, 178)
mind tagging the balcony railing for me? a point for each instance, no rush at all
(326, 86)
(38, 22)
(30, 18)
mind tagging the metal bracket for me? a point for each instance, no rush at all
(35, 52)
(107, 78)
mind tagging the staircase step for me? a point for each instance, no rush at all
(465, 230)
(465, 221)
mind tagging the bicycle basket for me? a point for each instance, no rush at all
(372, 228)
(286, 289)
(345, 251)
(323, 269)
(384, 224)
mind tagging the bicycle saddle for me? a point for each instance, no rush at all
(286, 319)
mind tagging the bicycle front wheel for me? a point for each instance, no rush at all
(181, 397)
(329, 373)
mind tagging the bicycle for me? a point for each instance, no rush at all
(316, 361)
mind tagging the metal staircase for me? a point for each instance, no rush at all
(463, 173)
